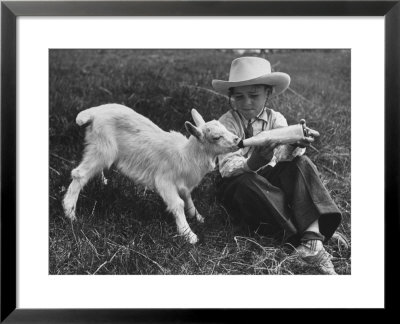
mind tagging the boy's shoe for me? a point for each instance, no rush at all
(321, 259)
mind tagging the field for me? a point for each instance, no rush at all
(123, 228)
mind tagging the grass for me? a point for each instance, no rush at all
(123, 228)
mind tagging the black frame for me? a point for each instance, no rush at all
(11, 10)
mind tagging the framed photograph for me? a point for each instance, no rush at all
(97, 94)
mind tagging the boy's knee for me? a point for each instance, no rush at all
(247, 180)
(251, 186)
(246, 187)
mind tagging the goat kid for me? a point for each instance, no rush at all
(168, 162)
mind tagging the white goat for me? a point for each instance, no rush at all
(166, 161)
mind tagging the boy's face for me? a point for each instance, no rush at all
(249, 100)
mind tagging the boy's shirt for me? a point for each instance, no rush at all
(232, 164)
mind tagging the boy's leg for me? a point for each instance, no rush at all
(306, 195)
(316, 215)
(251, 199)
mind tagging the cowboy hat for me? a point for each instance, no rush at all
(252, 70)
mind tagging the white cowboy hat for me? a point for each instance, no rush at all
(252, 70)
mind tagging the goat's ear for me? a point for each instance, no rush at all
(198, 120)
(193, 130)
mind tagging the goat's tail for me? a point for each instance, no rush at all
(84, 117)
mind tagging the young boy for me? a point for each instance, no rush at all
(275, 188)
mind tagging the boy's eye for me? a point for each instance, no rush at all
(241, 97)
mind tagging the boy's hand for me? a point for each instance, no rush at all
(306, 142)
(309, 137)
(261, 156)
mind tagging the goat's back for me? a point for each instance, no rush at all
(140, 149)
(108, 114)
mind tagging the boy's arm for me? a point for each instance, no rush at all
(285, 152)
(234, 163)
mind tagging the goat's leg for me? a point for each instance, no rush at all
(190, 208)
(80, 176)
(176, 206)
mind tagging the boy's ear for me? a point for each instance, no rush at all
(198, 119)
(193, 130)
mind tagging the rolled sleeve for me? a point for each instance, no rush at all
(232, 164)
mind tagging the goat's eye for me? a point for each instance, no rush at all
(216, 138)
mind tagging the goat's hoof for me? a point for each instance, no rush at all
(192, 238)
(70, 213)
(71, 216)
(200, 218)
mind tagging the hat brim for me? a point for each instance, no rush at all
(279, 80)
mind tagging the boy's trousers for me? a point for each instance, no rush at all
(283, 200)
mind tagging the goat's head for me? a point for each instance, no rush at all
(212, 134)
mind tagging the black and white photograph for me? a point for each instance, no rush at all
(193, 161)
(200, 161)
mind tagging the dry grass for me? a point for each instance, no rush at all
(123, 228)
